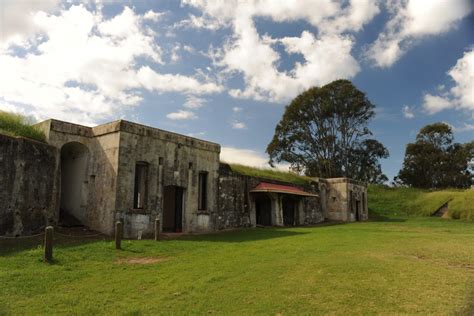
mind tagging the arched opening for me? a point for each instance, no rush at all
(74, 164)
(289, 210)
(263, 209)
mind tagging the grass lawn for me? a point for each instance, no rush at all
(390, 202)
(418, 265)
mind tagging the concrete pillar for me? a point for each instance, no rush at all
(277, 210)
(160, 193)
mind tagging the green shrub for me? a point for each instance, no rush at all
(18, 125)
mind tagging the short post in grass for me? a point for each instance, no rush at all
(48, 244)
(118, 234)
(157, 229)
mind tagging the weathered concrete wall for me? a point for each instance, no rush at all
(338, 202)
(29, 179)
(99, 182)
(182, 158)
(233, 199)
(237, 206)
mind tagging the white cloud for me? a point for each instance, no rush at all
(461, 95)
(412, 20)
(434, 104)
(181, 115)
(247, 157)
(408, 112)
(199, 22)
(236, 109)
(152, 80)
(85, 69)
(257, 59)
(238, 125)
(17, 19)
(466, 127)
(153, 16)
(194, 102)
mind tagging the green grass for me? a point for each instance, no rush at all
(270, 174)
(388, 201)
(417, 266)
(18, 125)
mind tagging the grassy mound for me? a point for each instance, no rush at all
(18, 125)
(270, 174)
(388, 201)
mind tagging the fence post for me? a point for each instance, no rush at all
(48, 244)
(118, 234)
(157, 229)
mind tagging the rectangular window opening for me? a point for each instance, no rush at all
(140, 191)
(202, 203)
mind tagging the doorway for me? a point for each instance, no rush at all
(74, 191)
(173, 209)
(289, 209)
(357, 217)
(263, 210)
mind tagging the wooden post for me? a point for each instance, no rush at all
(157, 229)
(48, 244)
(118, 234)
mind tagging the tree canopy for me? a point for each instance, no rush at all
(324, 132)
(434, 160)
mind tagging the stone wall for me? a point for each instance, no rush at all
(29, 181)
(339, 204)
(237, 206)
(99, 183)
(172, 160)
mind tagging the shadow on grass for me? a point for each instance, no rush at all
(14, 245)
(245, 235)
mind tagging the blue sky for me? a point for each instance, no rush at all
(224, 70)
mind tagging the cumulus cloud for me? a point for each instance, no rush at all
(181, 115)
(236, 109)
(18, 19)
(247, 157)
(85, 67)
(194, 102)
(256, 58)
(461, 95)
(408, 112)
(238, 125)
(412, 20)
(153, 16)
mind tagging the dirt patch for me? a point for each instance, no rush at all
(141, 260)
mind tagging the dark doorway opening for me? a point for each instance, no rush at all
(263, 210)
(173, 209)
(357, 217)
(289, 210)
(74, 184)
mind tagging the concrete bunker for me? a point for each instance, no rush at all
(278, 205)
(74, 191)
(121, 170)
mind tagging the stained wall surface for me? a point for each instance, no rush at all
(173, 160)
(344, 198)
(237, 205)
(29, 182)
